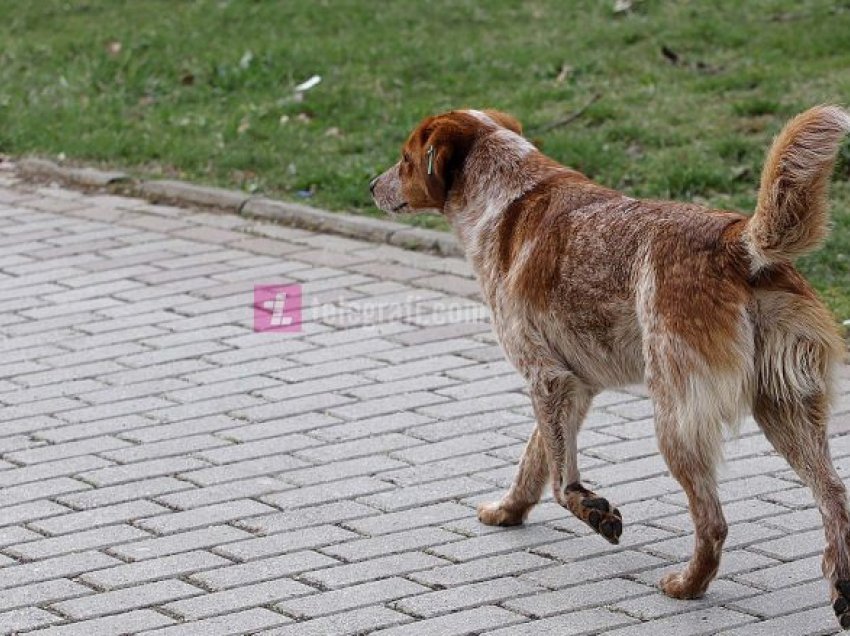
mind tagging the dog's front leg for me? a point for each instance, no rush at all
(526, 489)
(560, 404)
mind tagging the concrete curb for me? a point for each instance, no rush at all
(86, 177)
(186, 194)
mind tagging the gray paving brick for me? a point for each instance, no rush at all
(105, 496)
(324, 493)
(481, 569)
(353, 573)
(302, 373)
(16, 534)
(783, 575)
(271, 464)
(260, 448)
(311, 387)
(571, 624)
(719, 594)
(428, 493)
(810, 622)
(176, 543)
(152, 431)
(114, 475)
(460, 408)
(341, 512)
(807, 519)
(97, 428)
(26, 618)
(793, 547)
(467, 596)
(240, 598)
(113, 409)
(337, 470)
(219, 493)
(76, 542)
(69, 449)
(103, 516)
(31, 511)
(472, 621)
(349, 598)
(461, 445)
(435, 364)
(357, 621)
(135, 597)
(47, 475)
(247, 621)
(152, 570)
(590, 544)
(473, 423)
(291, 541)
(618, 564)
(707, 621)
(785, 601)
(473, 465)
(235, 403)
(390, 404)
(203, 516)
(506, 541)
(138, 389)
(132, 453)
(367, 548)
(368, 427)
(378, 444)
(577, 598)
(740, 535)
(67, 566)
(230, 576)
(398, 521)
(136, 620)
(420, 383)
(41, 593)
(286, 408)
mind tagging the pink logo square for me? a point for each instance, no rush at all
(277, 307)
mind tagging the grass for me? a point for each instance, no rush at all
(204, 90)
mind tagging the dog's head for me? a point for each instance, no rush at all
(433, 158)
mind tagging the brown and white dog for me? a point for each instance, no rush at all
(590, 288)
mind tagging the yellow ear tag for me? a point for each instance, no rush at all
(430, 160)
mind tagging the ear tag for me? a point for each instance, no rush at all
(430, 160)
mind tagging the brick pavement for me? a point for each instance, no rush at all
(166, 470)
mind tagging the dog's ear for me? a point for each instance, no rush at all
(503, 119)
(444, 146)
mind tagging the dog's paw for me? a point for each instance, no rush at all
(841, 603)
(595, 511)
(493, 514)
(676, 585)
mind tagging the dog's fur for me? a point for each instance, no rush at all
(590, 289)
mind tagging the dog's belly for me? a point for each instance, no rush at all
(603, 350)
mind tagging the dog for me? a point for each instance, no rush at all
(591, 289)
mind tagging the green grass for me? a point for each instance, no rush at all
(203, 90)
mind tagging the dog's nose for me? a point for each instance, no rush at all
(372, 185)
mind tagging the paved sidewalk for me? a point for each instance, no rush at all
(166, 470)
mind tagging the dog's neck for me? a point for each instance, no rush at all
(499, 170)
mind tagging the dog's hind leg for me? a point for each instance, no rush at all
(797, 350)
(798, 431)
(526, 489)
(690, 449)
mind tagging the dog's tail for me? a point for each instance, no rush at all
(791, 214)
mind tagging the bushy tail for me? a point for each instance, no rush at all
(791, 214)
